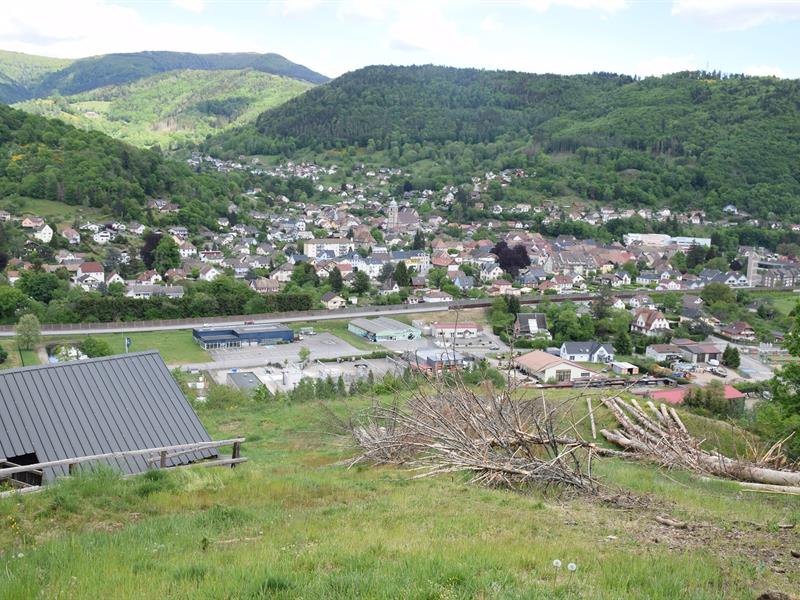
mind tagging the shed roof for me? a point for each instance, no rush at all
(95, 406)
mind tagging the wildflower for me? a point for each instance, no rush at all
(557, 564)
(572, 567)
(20, 555)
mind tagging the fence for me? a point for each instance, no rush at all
(159, 457)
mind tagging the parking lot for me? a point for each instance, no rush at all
(286, 378)
(322, 345)
(478, 347)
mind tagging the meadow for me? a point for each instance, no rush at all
(295, 522)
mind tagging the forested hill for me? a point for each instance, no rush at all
(48, 159)
(430, 104)
(685, 140)
(114, 69)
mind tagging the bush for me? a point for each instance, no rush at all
(3, 355)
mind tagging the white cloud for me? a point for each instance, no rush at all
(765, 71)
(373, 10)
(733, 15)
(425, 28)
(491, 23)
(88, 27)
(661, 65)
(607, 6)
(196, 6)
(298, 7)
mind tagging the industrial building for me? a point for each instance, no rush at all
(383, 329)
(245, 381)
(436, 359)
(244, 335)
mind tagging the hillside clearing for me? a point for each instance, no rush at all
(292, 523)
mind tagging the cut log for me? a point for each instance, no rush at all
(665, 440)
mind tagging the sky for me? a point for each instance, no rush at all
(637, 37)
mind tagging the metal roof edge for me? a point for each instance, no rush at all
(73, 363)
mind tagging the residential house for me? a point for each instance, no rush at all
(337, 246)
(649, 322)
(739, 331)
(43, 233)
(531, 325)
(102, 237)
(333, 301)
(436, 296)
(72, 236)
(264, 285)
(150, 277)
(146, 290)
(588, 351)
(209, 273)
(282, 274)
(545, 367)
(187, 249)
(93, 270)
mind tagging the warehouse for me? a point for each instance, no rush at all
(383, 329)
(244, 335)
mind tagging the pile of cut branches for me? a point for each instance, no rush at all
(488, 434)
(660, 436)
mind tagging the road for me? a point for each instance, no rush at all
(314, 315)
(757, 370)
(310, 316)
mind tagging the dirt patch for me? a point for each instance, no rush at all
(231, 426)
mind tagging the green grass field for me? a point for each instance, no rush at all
(176, 347)
(295, 523)
(54, 212)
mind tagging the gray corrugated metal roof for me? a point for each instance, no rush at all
(85, 407)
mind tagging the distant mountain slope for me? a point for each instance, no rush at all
(174, 107)
(20, 72)
(81, 75)
(688, 140)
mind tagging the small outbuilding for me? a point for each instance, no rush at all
(95, 406)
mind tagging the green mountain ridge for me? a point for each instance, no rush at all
(687, 140)
(173, 108)
(51, 76)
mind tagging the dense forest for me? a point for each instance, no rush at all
(73, 77)
(48, 159)
(688, 140)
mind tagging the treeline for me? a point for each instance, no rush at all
(688, 141)
(50, 298)
(113, 69)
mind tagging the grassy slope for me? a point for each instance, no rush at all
(54, 212)
(292, 523)
(162, 109)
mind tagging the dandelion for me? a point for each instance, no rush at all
(571, 567)
(557, 565)
(20, 555)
